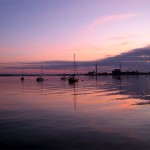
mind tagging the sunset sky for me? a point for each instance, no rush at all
(46, 30)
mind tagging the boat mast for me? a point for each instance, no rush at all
(22, 71)
(64, 71)
(41, 71)
(74, 64)
(120, 67)
(96, 71)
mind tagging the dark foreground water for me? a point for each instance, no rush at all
(107, 114)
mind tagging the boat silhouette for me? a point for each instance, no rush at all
(64, 76)
(73, 78)
(22, 78)
(41, 76)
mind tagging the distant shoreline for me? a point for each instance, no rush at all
(101, 74)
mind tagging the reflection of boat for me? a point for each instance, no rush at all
(74, 87)
(41, 76)
(75, 98)
(119, 77)
(22, 78)
(73, 78)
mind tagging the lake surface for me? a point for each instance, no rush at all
(102, 114)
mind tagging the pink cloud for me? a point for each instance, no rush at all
(106, 19)
(121, 37)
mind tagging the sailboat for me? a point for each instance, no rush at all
(64, 76)
(22, 78)
(73, 78)
(41, 76)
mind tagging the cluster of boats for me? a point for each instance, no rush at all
(71, 79)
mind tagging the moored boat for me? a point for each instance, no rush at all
(22, 78)
(41, 76)
(73, 78)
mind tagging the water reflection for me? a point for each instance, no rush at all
(75, 96)
(22, 84)
(134, 86)
(94, 114)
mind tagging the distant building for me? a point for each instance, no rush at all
(93, 73)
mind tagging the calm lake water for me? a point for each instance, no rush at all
(102, 114)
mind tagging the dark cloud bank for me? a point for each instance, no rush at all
(136, 59)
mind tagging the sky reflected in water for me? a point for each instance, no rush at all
(93, 114)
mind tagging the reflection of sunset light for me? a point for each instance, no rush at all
(109, 102)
